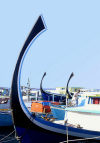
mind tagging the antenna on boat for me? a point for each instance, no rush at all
(28, 83)
(28, 89)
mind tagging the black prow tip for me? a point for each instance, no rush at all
(41, 89)
(67, 91)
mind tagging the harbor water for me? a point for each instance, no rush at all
(7, 135)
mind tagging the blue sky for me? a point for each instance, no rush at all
(70, 44)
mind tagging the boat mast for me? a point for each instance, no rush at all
(28, 90)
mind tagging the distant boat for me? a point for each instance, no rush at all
(5, 112)
(5, 118)
(58, 111)
(30, 127)
(81, 101)
(48, 96)
(5, 103)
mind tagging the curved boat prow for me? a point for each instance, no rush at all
(29, 127)
(67, 91)
(47, 96)
(41, 89)
(17, 104)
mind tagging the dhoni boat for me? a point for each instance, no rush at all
(30, 127)
(48, 96)
(81, 101)
(58, 111)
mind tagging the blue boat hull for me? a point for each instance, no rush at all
(49, 97)
(5, 119)
(37, 136)
(44, 131)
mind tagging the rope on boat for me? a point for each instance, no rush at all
(2, 140)
(67, 134)
(81, 139)
(8, 140)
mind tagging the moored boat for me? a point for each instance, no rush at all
(5, 112)
(29, 126)
(5, 118)
(5, 103)
(48, 96)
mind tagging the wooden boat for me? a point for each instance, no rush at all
(56, 109)
(82, 101)
(31, 128)
(48, 96)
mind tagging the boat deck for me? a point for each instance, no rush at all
(82, 117)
